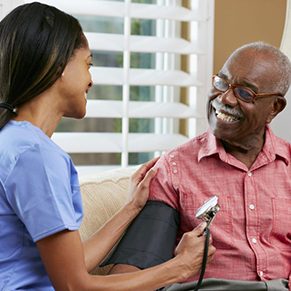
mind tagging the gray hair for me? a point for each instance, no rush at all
(282, 61)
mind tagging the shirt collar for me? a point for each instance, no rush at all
(274, 147)
(210, 145)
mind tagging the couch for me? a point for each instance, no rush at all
(103, 195)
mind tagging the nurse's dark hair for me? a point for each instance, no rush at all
(36, 43)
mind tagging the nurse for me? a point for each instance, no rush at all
(43, 51)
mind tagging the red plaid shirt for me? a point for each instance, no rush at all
(252, 230)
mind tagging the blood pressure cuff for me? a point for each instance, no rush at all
(150, 239)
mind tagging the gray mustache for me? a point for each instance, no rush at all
(226, 109)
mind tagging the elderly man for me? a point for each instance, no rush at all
(242, 162)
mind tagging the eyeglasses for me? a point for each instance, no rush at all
(241, 92)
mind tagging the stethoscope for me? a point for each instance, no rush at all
(206, 213)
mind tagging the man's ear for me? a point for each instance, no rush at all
(278, 105)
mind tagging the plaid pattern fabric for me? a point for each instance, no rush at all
(232, 285)
(252, 231)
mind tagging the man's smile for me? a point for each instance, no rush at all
(225, 113)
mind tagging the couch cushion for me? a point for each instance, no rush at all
(102, 197)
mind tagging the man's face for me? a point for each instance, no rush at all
(237, 122)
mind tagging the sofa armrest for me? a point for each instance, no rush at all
(102, 197)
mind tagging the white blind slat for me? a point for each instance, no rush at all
(139, 109)
(143, 77)
(115, 42)
(90, 142)
(119, 9)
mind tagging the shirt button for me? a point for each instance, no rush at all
(261, 273)
(252, 206)
(250, 174)
(254, 240)
(175, 171)
(174, 163)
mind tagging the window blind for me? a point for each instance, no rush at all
(165, 78)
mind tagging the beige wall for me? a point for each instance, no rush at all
(241, 21)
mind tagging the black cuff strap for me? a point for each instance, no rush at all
(150, 239)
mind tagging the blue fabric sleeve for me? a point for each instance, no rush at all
(41, 192)
(150, 239)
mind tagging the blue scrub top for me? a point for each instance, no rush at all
(39, 196)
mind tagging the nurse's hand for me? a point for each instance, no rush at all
(140, 182)
(190, 250)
